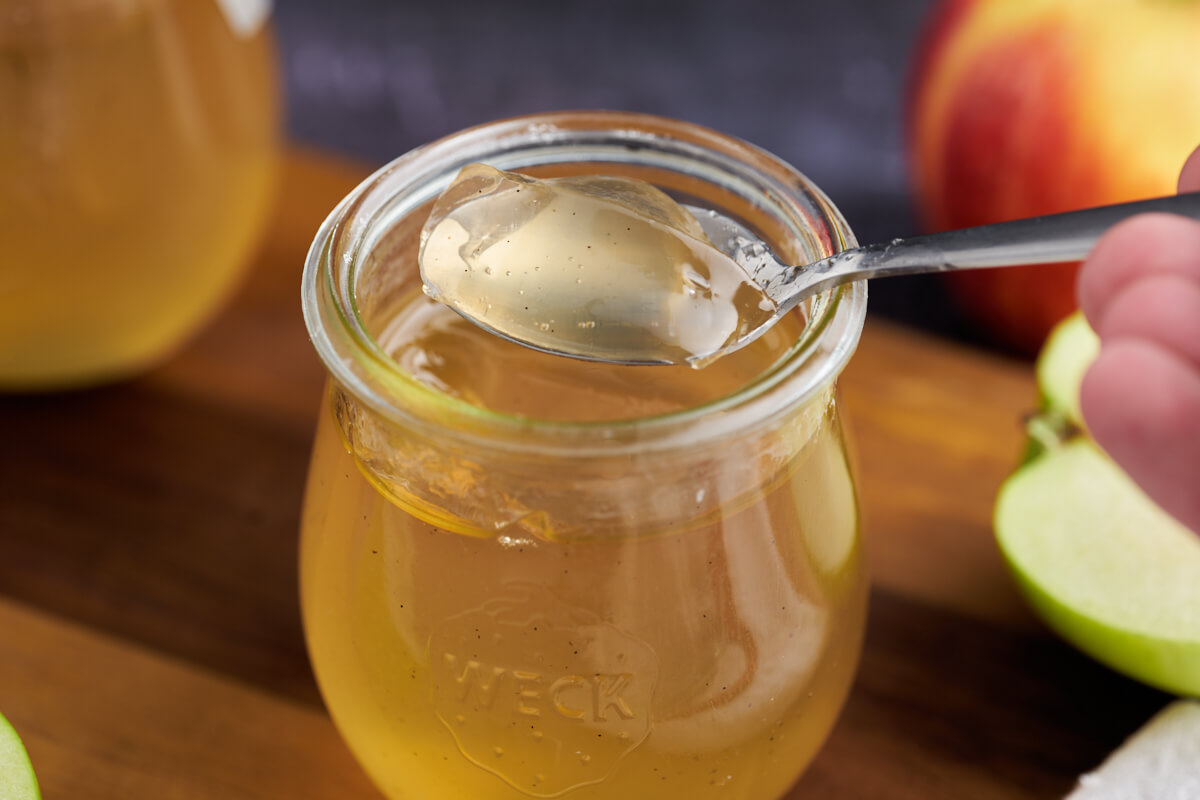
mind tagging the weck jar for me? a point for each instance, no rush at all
(528, 576)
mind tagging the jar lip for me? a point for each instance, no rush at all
(356, 362)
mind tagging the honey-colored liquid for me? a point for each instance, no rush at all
(137, 154)
(704, 662)
(596, 266)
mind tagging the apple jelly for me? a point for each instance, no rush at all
(599, 265)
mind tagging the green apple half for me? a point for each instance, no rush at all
(17, 781)
(1105, 567)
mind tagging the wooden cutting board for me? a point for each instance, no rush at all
(150, 642)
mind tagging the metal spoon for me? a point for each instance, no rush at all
(1036, 240)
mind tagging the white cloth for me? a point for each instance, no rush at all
(1159, 762)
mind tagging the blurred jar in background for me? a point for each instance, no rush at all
(138, 144)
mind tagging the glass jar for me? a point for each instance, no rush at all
(528, 576)
(137, 158)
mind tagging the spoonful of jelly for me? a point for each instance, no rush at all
(607, 268)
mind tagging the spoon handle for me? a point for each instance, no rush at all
(1037, 240)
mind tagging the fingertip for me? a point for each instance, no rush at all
(1137, 390)
(1136, 247)
(1189, 176)
(1162, 308)
(1103, 271)
(1141, 404)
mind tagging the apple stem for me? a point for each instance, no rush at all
(1049, 430)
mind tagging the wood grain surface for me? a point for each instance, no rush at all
(150, 641)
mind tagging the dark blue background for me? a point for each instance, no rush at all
(820, 83)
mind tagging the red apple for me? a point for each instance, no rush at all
(1026, 107)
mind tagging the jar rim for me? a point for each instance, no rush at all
(355, 360)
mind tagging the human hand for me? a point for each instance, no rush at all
(1140, 290)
